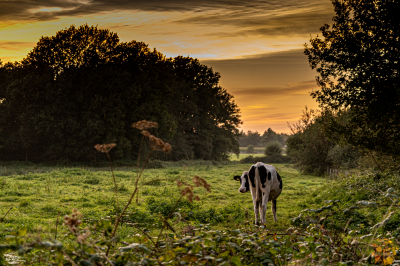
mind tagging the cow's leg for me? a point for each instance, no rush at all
(264, 206)
(256, 211)
(273, 208)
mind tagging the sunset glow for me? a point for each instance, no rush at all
(257, 47)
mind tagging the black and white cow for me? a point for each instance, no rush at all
(265, 184)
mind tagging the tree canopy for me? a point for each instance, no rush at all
(357, 59)
(83, 86)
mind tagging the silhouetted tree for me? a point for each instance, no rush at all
(359, 74)
(83, 86)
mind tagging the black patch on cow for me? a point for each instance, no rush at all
(237, 177)
(263, 175)
(269, 175)
(263, 193)
(252, 175)
(246, 184)
(280, 181)
(274, 205)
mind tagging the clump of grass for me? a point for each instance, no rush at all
(24, 203)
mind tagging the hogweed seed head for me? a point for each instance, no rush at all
(167, 148)
(188, 192)
(105, 148)
(146, 133)
(142, 125)
(201, 182)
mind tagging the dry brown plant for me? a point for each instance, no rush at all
(73, 221)
(142, 125)
(105, 148)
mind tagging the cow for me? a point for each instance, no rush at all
(265, 184)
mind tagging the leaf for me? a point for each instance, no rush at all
(22, 231)
(179, 249)
(224, 254)
(236, 261)
(388, 261)
(379, 249)
(169, 255)
(189, 258)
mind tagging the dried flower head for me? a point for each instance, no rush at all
(73, 221)
(82, 237)
(146, 133)
(197, 198)
(104, 147)
(167, 148)
(188, 192)
(142, 125)
(201, 182)
(179, 183)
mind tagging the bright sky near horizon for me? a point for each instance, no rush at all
(256, 45)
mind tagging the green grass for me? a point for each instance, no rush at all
(241, 156)
(38, 198)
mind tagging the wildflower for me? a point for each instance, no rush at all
(105, 148)
(73, 221)
(142, 125)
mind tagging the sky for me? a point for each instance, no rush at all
(256, 45)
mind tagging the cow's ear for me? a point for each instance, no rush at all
(237, 177)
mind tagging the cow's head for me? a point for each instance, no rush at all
(244, 182)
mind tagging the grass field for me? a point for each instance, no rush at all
(38, 198)
(241, 156)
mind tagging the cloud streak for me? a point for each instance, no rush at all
(257, 17)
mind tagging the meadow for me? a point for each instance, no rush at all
(37, 198)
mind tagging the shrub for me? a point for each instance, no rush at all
(250, 149)
(273, 149)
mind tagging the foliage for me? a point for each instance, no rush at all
(357, 62)
(308, 146)
(273, 149)
(250, 149)
(83, 86)
(343, 156)
(257, 140)
(265, 159)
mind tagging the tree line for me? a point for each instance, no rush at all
(83, 87)
(357, 60)
(257, 140)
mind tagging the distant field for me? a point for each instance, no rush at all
(38, 198)
(241, 156)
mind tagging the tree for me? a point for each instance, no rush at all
(358, 64)
(308, 146)
(83, 86)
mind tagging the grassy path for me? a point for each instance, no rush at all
(37, 199)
